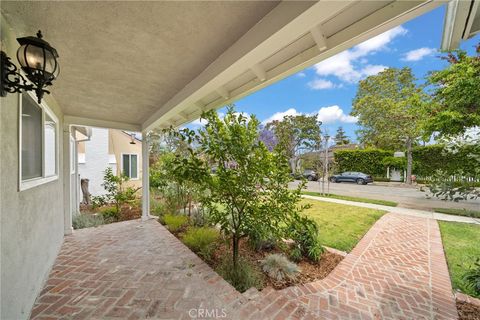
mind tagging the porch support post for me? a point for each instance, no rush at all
(67, 181)
(145, 178)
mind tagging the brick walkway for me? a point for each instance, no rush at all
(397, 271)
(139, 270)
(130, 270)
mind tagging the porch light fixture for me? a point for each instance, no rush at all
(38, 61)
(132, 138)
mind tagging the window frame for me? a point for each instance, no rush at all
(34, 182)
(130, 167)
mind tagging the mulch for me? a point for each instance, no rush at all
(467, 311)
(309, 271)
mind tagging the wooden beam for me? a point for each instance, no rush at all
(319, 38)
(223, 92)
(81, 121)
(259, 72)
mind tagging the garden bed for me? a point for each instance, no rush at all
(309, 271)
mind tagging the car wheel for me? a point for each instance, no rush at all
(360, 181)
(333, 180)
(310, 178)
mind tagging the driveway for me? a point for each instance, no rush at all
(407, 197)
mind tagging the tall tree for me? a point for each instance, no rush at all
(296, 135)
(340, 137)
(454, 109)
(455, 105)
(389, 107)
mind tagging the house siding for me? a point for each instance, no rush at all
(32, 221)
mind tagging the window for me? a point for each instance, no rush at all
(129, 165)
(38, 130)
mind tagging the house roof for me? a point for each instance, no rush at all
(136, 65)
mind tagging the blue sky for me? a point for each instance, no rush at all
(329, 87)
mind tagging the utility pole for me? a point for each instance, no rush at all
(325, 163)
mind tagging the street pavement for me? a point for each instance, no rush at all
(406, 197)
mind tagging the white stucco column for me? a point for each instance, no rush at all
(67, 180)
(145, 178)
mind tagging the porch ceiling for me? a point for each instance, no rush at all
(120, 60)
(156, 64)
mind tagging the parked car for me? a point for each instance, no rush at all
(308, 174)
(357, 177)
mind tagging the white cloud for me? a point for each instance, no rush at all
(334, 114)
(418, 54)
(321, 84)
(301, 74)
(327, 115)
(345, 64)
(280, 115)
(371, 70)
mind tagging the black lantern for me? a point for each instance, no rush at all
(38, 61)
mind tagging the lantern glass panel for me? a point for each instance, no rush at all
(35, 57)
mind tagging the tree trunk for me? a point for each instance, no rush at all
(293, 164)
(85, 192)
(235, 241)
(409, 161)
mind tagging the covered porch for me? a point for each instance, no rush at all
(139, 66)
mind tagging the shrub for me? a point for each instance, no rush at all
(472, 277)
(110, 214)
(243, 277)
(304, 232)
(278, 267)
(296, 254)
(98, 201)
(201, 240)
(175, 222)
(86, 220)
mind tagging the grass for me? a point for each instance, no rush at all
(461, 244)
(341, 226)
(349, 198)
(459, 212)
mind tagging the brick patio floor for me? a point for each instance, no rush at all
(134, 270)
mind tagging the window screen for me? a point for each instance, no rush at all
(31, 139)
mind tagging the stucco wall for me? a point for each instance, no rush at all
(32, 220)
(120, 143)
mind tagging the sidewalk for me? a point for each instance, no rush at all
(400, 210)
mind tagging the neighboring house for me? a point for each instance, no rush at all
(109, 148)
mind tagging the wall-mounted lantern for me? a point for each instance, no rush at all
(132, 138)
(38, 61)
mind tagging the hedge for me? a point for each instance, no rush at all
(426, 161)
(366, 160)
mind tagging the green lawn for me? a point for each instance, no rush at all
(356, 199)
(341, 226)
(461, 242)
(459, 212)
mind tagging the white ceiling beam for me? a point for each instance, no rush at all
(259, 72)
(279, 29)
(223, 92)
(319, 38)
(88, 122)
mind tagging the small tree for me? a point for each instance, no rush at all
(340, 137)
(296, 135)
(116, 190)
(250, 185)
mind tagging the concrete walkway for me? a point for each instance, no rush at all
(400, 210)
(138, 270)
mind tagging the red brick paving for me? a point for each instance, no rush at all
(397, 271)
(135, 270)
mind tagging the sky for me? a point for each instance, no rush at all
(329, 87)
